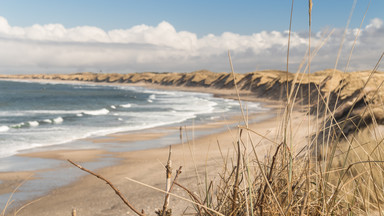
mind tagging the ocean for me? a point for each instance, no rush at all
(39, 114)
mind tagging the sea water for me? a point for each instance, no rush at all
(38, 114)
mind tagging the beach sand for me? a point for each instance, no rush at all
(199, 158)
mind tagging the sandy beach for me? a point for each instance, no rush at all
(201, 153)
(199, 158)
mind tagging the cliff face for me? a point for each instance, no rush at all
(358, 96)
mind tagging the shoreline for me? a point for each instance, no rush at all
(98, 155)
(89, 134)
(203, 151)
(121, 158)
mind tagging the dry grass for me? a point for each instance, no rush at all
(339, 172)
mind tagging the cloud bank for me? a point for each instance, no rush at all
(55, 49)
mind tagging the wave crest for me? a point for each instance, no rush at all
(97, 112)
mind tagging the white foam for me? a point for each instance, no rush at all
(152, 97)
(33, 123)
(58, 120)
(4, 128)
(195, 105)
(158, 92)
(150, 101)
(49, 121)
(126, 105)
(38, 112)
(79, 114)
(97, 112)
(119, 119)
(113, 107)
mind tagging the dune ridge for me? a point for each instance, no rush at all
(350, 93)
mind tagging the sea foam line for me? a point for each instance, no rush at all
(126, 105)
(103, 111)
(4, 128)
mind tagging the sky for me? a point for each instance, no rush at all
(126, 36)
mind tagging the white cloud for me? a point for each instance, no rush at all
(53, 48)
(375, 23)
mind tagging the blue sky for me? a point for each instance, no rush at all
(179, 30)
(201, 17)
